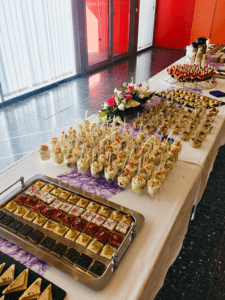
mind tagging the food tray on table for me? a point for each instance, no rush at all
(81, 234)
(56, 292)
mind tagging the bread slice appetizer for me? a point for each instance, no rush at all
(2, 267)
(8, 276)
(47, 294)
(33, 292)
(19, 284)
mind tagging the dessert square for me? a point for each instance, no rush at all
(31, 191)
(110, 224)
(41, 194)
(48, 187)
(93, 206)
(58, 215)
(68, 219)
(40, 220)
(102, 235)
(39, 184)
(25, 230)
(74, 199)
(56, 204)
(91, 228)
(66, 207)
(56, 191)
(15, 225)
(108, 251)
(95, 246)
(76, 211)
(11, 206)
(71, 255)
(2, 215)
(21, 210)
(97, 268)
(122, 227)
(35, 236)
(64, 195)
(98, 220)
(72, 234)
(60, 229)
(116, 216)
(104, 211)
(84, 261)
(88, 215)
(39, 207)
(6, 220)
(20, 199)
(59, 249)
(127, 219)
(47, 243)
(31, 201)
(116, 238)
(83, 239)
(30, 215)
(50, 225)
(48, 211)
(78, 224)
(82, 202)
(48, 199)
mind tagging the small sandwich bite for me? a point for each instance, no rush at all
(76, 211)
(82, 202)
(108, 251)
(33, 292)
(8, 276)
(83, 239)
(74, 199)
(93, 206)
(30, 215)
(61, 229)
(11, 206)
(48, 199)
(64, 195)
(31, 191)
(95, 246)
(116, 216)
(41, 194)
(31, 201)
(126, 219)
(40, 220)
(38, 207)
(66, 207)
(88, 215)
(50, 225)
(19, 284)
(39, 184)
(56, 191)
(47, 294)
(104, 211)
(48, 187)
(122, 227)
(72, 234)
(56, 204)
(20, 199)
(110, 224)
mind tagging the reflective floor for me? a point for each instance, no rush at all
(199, 271)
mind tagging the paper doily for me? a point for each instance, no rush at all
(202, 85)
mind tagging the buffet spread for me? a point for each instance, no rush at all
(84, 235)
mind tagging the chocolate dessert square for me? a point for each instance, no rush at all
(6, 220)
(47, 243)
(84, 262)
(68, 220)
(78, 224)
(20, 199)
(35, 236)
(91, 228)
(71, 255)
(39, 207)
(15, 225)
(59, 249)
(58, 215)
(48, 211)
(31, 201)
(2, 214)
(102, 235)
(25, 230)
(97, 268)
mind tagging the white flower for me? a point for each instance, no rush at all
(120, 94)
(121, 107)
(115, 90)
(117, 100)
(106, 105)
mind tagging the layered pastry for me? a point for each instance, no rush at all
(39, 184)
(96, 168)
(98, 220)
(122, 227)
(124, 179)
(58, 215)
(97, 268)
(31, 191)
(68, 220)
(71, 255)
(116, 238)
(35, 236)
(44, 153)
(104, 211)
(108, 251)
(93, 206)
(64, 195)
(47, 243)
(30, 215)
(78, 224)
(57, 156)
(102, 235)
(91, 228)
(66, 207)
(95, 246)
(6, 220)
(48, 211)
(116, 216)
(83, 239)
(31, 201)
(84, 261)
(15, 226)
(56, 204)
(88, 215)
(110, 224)
(59, 249)
(20, 199)
(82, 202)
(76, 211)
(48, 188)
(138, 184)
(11, 206)
(72, 234)
(40, 220)
(60, 229)
(83, 165)
(25, 230)
(110, 173)
(153, 186)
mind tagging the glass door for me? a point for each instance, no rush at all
(97, 24)
(146, 24)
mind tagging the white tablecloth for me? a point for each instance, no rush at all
(142, 270)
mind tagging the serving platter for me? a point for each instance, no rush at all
(90, 268)
(202, 85)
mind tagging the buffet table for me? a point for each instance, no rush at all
(143, 269)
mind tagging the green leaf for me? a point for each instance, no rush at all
(106, 111)
(103, 114)
(122, 87)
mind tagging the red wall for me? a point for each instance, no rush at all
(173, 23)
(218, 27)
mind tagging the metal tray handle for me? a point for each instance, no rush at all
(22, 183)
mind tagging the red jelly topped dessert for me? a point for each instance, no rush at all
(38, 207)
(78, 224)
(116, 238)
(58, 215)
(91, 228)
(20, 199)
(68, 220)
(102, 235)
(31, 201)
(48, 211)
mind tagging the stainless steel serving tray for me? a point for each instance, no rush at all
(60, 263)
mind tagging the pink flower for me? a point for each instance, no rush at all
(130, 88)
(112, 101)
(128, 96)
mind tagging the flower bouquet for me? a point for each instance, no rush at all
(125, 101)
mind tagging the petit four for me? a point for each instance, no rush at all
(56, 204)
(98, 220)
(108, 251)
(30, 215)
(91, 228)
(78, 224)
(72, 234)
(84, 262)
(61, 229)
(68, 220)
(93, 206)
(64, 195)
(110, 224)
(6, 220)
(58, 215)
(50, 225)
(48, 187)
(8, 276)
(11, 206)
(48, 199)
(56, 191)
(76, 211)
(66, 207)
(116, 215)
(47, 243)
(95, 246)
(48, 211)
(33, 292)
(102, 235)
(88, 215)
(126, 219)
(2, 215)
(82, 202)
(74, 199)
(31, 201)
(39, 207)
(41, 194)
(59, 249)
(83, 239)
(39, 184)
(104, 211)
(35, 236)
(31, 191)
(116, 238)
(40, 220)
(122, 227)
(97, 268)
(19, 284)
(71, 255)
(20, 199)
(25, 230)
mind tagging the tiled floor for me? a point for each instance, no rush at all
(199, 271)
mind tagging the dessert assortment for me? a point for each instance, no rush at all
(218, 51)
(82, 233)
(20, 283)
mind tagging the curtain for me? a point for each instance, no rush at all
(36, 44)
